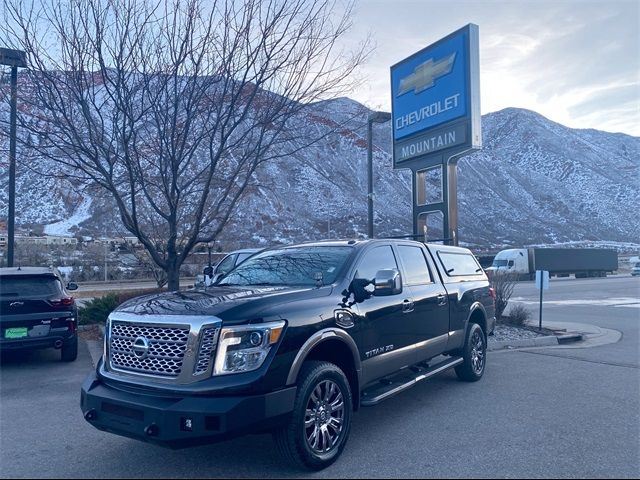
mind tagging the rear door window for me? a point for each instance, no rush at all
(415, 265)
(24, 286)
(456, 264)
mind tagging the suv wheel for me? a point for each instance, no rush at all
(474, 354)
(69, 351)
(318, 428)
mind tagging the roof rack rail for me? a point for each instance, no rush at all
(419, 237)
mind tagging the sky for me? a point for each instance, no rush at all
(575, 62)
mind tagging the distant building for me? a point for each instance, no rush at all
(118, 241)
(132, 241)
(46, 240)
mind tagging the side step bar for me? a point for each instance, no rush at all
(403, 380)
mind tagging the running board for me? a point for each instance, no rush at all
(404, 380)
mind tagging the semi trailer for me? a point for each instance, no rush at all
(560, 262)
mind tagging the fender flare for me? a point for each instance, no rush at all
(316, 339)
(474, 307)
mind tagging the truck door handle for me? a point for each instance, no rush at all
(442, 299)
(407, 306)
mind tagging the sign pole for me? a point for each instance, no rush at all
(542, 282)
(541, 290)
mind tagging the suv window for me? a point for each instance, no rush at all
(415, 265)
(456, 264)
(29, 286)
(378, 258)
(242, 257)
(226, 264)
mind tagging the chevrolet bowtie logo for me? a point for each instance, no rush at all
(425, 74)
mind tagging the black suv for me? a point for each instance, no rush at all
(37, 312)
(293, 340)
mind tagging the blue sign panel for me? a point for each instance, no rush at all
(431, 88)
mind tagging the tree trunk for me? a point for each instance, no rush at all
(173, 274)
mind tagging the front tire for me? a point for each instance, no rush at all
(319, 426)
(474, 355)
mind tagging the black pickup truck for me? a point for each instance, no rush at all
(292, 341)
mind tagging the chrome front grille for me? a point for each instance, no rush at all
(152, 350)
(208, 343)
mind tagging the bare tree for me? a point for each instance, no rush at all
(145, 264)
(503, 284)
(170, 106)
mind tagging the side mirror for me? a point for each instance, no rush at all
(208, 272)
(387, 282)
(72, 286)
(211, 279)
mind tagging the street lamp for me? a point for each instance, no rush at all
(375, 117)
(13, 59)
(210, 245)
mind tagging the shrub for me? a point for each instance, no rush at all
(503, 284)
(518, 315)
(97, 310)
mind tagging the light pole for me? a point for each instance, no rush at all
(13, 59)
(210, 245)
(375, 117)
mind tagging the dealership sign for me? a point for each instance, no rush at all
(436, 101)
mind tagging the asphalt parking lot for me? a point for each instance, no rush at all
(545, 412)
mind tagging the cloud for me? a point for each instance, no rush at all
(576, 62)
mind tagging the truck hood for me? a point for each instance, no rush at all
(226, 302)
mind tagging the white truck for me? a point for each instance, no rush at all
(560, 262)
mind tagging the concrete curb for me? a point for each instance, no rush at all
(95, 350)
(95, 347)
(569, 335)
(524, 342)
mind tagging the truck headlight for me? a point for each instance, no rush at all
(243, 349)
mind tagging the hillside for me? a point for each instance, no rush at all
(534, 182)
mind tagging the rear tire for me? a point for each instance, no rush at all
(318, 428)
(474, 354)
(69, 351)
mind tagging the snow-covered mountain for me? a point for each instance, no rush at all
(534, 182)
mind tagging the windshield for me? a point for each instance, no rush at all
(499, 263)
(305, 266)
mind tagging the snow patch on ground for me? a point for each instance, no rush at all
(62, 227)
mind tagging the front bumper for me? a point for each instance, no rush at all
(163, 419)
